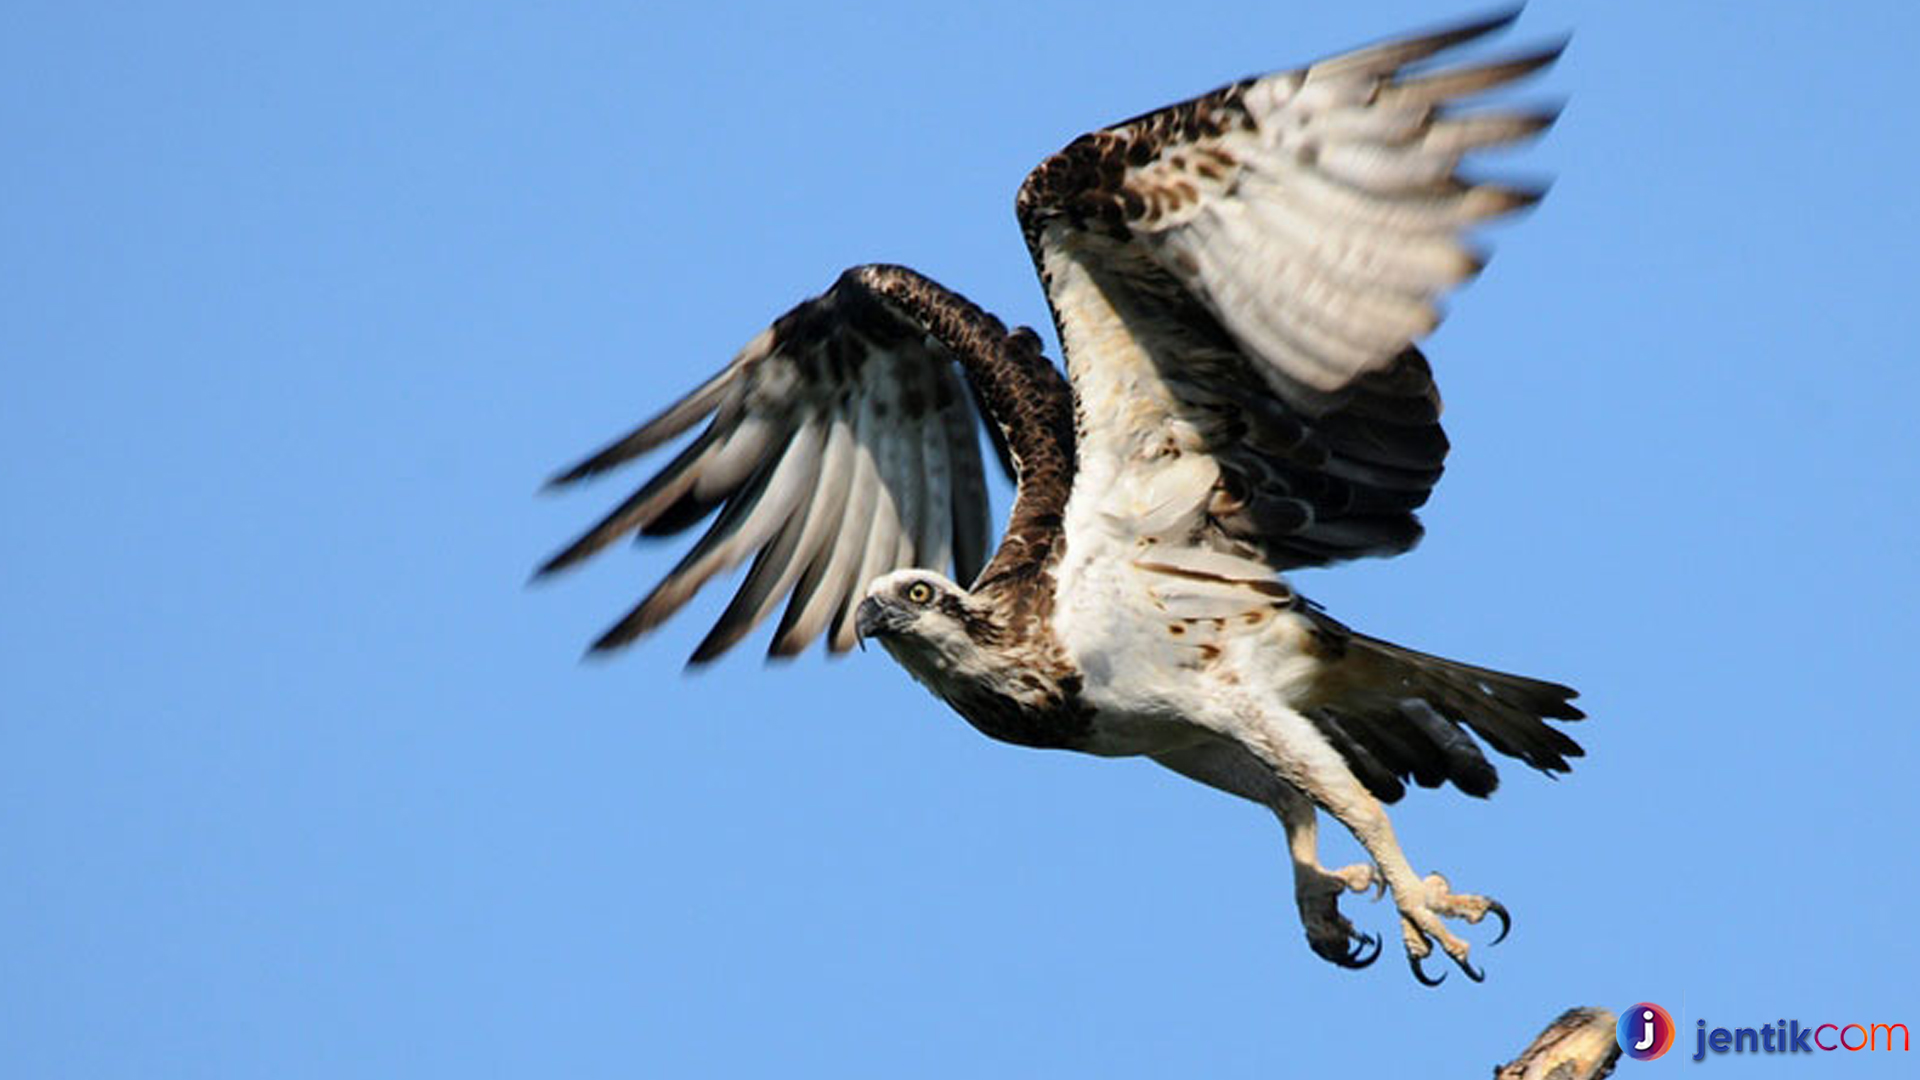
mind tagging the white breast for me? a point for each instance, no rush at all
(1155, 652)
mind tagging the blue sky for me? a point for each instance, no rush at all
(298, 779)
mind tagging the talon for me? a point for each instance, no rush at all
(1352, 956)
(1414, 962)
(1472, 973)
(1499, 910)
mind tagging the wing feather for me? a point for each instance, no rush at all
(908, 479)
(826, 591)
(813, 596)
(871, 556)
(934, 540)
(643, 506)
(748, 521)
(1267, 255)
(676, 419)
(830, 441)
(780, 564)
(968, 502)
(1389, 56)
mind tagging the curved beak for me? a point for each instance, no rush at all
(877, 618)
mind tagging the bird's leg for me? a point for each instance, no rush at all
(1232, 768)
(1318, 772)
(1424, 904)
(1317, 890)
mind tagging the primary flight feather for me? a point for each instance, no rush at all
(1238, 281)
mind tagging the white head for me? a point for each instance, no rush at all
(931, 626)
(963, 648)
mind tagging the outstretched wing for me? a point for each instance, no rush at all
(840, 445)
(1239, 280)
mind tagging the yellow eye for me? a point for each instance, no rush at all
(920, 592)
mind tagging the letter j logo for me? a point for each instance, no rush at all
(1645, 1031)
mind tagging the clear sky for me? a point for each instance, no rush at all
(298, 779)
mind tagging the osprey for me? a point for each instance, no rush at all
(1237, 282)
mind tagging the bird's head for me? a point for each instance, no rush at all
(929, 624)
(960, 645)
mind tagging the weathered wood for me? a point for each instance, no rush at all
(1579, 1045)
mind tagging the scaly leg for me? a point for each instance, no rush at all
(1317, 890)
(1287, 742)
(1228, 767)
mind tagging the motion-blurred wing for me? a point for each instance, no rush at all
(840, 445)
(1245, 274)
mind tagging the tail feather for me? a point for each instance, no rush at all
(1400, 714)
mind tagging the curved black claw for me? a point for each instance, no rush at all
(1499, 910)
(1472, 972)
(1354, 957)
(1414, 962)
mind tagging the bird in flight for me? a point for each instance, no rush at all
(1238, 281)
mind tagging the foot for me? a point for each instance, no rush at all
(1422, 925)
(1317, 892)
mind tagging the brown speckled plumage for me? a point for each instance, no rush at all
(1238, 282)
(1098, 181)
